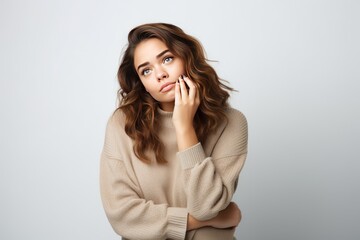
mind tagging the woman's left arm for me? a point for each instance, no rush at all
(210, 181)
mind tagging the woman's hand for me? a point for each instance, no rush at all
(227, 218)
(186, 104)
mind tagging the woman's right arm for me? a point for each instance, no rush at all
(229, 217)
(130, 215)
(220, 227)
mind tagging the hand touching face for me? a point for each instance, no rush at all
(158, 70)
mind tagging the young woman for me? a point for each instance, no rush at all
(173, 148)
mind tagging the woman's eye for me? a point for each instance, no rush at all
(145, 72)
(168, 59)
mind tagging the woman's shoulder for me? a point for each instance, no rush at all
(236, 131)
(117, 119)
(235, 115)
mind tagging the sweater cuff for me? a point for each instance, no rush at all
(191, 156)
(177, 223)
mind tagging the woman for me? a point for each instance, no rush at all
(173, 148)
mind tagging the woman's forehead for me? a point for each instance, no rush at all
(148, 50)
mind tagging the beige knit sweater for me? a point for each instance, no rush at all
(152, 201)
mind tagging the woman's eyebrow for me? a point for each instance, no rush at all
(162, 53)
(157, 56)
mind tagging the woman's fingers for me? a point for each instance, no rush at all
(183, 89)
(188, 90)
(192, 88)
(186, 105)
(177, 92)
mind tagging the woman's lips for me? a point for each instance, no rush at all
(167, 87)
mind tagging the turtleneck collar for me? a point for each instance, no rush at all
(166, 118)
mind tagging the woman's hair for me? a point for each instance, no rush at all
(139, 107)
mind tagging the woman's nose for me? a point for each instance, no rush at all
(161, 74)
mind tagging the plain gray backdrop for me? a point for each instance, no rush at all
(296, 67)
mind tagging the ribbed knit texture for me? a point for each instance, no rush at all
(152, 201)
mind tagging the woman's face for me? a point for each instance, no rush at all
(158, 69)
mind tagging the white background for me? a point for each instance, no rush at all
(295, 64)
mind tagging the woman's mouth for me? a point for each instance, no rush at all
(167, 87)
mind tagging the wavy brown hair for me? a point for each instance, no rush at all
(140, 109)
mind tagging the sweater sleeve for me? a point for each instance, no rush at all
(131, 216)
(210, 181)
